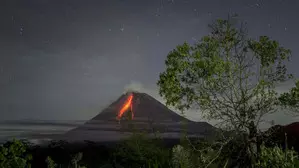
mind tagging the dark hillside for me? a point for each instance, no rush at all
(149, 116)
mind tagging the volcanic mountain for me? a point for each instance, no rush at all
(133, 112)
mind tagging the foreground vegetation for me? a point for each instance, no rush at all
(138, 152)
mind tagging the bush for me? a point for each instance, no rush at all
(181, 157)
(277, 158)
(50, 162)
(195, 155)
(140, 151)
(13, 155)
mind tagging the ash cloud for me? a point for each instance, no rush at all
(134, 86)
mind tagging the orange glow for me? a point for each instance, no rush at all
(127, 105)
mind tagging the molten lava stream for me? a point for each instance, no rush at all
(126, 106)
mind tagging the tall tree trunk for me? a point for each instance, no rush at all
(254, 143)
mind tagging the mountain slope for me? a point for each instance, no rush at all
(149, 115)
(145, 107)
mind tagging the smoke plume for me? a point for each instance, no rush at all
(134, 86)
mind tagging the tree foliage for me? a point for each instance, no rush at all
(50, 162)
(277, 158)
(13, 155)
(230, 78)
(291, 99)
(140, 151)
(227, 75)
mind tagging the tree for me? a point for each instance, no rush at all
(14, 155)
(229, 77)
(290, 99)
(50, 162)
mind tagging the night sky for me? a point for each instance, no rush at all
(68, 59)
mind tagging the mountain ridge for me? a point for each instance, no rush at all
(142, 97)
(150, 115)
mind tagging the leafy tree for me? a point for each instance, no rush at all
(229, 77)
(291, 99)
(13, 155)
(50, 162)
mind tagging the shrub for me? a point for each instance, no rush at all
(140, 151)
(277, 158)
(181, 157)
(13, 155)
(50, 163)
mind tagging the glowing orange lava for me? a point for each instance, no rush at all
(127, 105)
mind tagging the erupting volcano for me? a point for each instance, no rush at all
(127, 106)
(149, 116)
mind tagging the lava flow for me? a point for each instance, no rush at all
(126, 106)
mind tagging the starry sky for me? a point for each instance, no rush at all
(68, 59)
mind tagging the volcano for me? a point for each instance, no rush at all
(139, 112)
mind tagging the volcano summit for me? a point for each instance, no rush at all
(139, 112)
